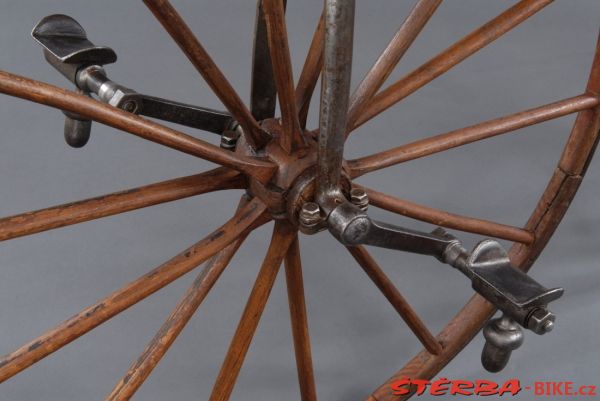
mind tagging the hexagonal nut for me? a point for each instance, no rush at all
(359, 197)
(541, 321)
(310, 214)
(126, 99)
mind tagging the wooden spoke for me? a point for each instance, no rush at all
(282, 69)
(387, 61)
(310, 72)
(450, 57)
(295, 289)
(335, 91)
(395, 298)
(189, 44)
(473, 133)
(252, 213)
(283, 235)
(119, 202)
(53, 96)
(263, 93)
(172, 327)
(448, 220)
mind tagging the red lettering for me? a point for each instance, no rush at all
(442, 386)
(556, 388)
(592, 390)
(461, 387)
(401, 387)
(421, 385)
(439, 387)
(538, 388)
(485, 388)
(569, 388)
(512, 386)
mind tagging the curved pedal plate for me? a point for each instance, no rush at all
(507, 287)
(67, 41)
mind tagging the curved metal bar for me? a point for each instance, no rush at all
(339, 32)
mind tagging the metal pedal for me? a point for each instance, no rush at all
(508, 288)
(67, 48)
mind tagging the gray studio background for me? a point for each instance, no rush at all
(358, 340)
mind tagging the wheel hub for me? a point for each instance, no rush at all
(293, 183)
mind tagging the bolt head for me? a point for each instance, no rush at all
(541, 321)
(310, 214)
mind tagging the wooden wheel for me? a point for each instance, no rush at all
(280, 164)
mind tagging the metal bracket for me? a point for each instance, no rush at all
(487, 266)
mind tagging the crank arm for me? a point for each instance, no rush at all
(184, 114)
(488, 266)
(93, 79)
(352, 226)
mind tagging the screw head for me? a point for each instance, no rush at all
(310, 214)
(359, 197)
